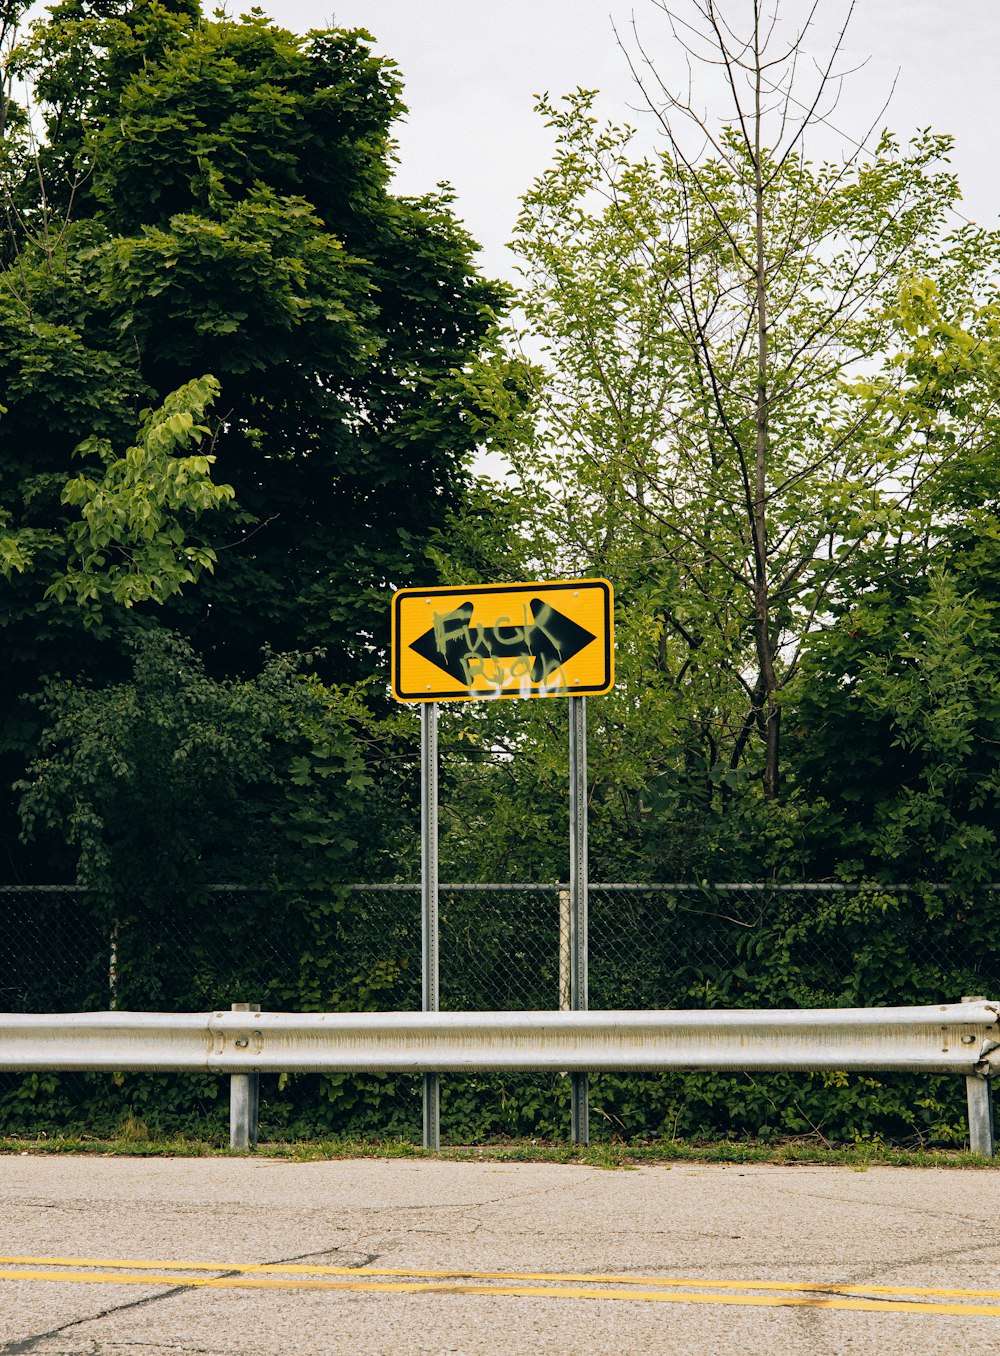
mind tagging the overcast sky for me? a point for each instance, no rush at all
(472, 68)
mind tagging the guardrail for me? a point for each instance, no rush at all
(958, 1038)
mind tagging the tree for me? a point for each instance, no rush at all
(213, 196)
(227, 187)
(129, 543)
(897, 694)
(722, 416)
(898, 701)
(168, 781)
(147, 779)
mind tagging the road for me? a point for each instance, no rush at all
(119, 1256)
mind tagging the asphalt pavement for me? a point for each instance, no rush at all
(266, 1257)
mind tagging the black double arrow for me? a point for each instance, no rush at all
(544, 638)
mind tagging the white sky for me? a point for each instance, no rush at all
(472, 68)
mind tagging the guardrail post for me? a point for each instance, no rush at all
(244, 1100)
(979, 1094)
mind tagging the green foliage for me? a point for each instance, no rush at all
(173, 779)
(735, 450)
(900, 698)
(129, 543)
(212, 195)
(231, 214)
(881, 404)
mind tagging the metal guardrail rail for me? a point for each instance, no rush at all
(958, 1038)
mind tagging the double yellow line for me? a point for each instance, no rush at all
(529, 1284)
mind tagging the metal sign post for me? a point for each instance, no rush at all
(429, 971)
(480, 642)
(578, 875)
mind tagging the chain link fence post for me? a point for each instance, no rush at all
(564, 951)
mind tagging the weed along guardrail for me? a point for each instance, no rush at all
(957, 1038)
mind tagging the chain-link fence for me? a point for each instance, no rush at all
(357, 947)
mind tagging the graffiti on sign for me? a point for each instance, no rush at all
(503, 640)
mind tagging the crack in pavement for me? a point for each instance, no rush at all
(393, 1207)
(23, 1345)
(874, 1203)
(26, 1344)
(63, 1206)
(887, 1267)
(92, 1349)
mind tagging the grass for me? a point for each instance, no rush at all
(135, 1140)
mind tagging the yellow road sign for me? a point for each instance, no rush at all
(503, 640)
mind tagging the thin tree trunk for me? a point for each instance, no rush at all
(762, 619)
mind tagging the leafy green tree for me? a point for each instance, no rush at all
(147, 779)
(900, 723)
(895, 704)
(129, 542)
(233, 215)
(722, 426)
(212, 195)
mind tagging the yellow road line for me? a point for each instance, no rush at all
(519, 1291)
(586, 1278)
